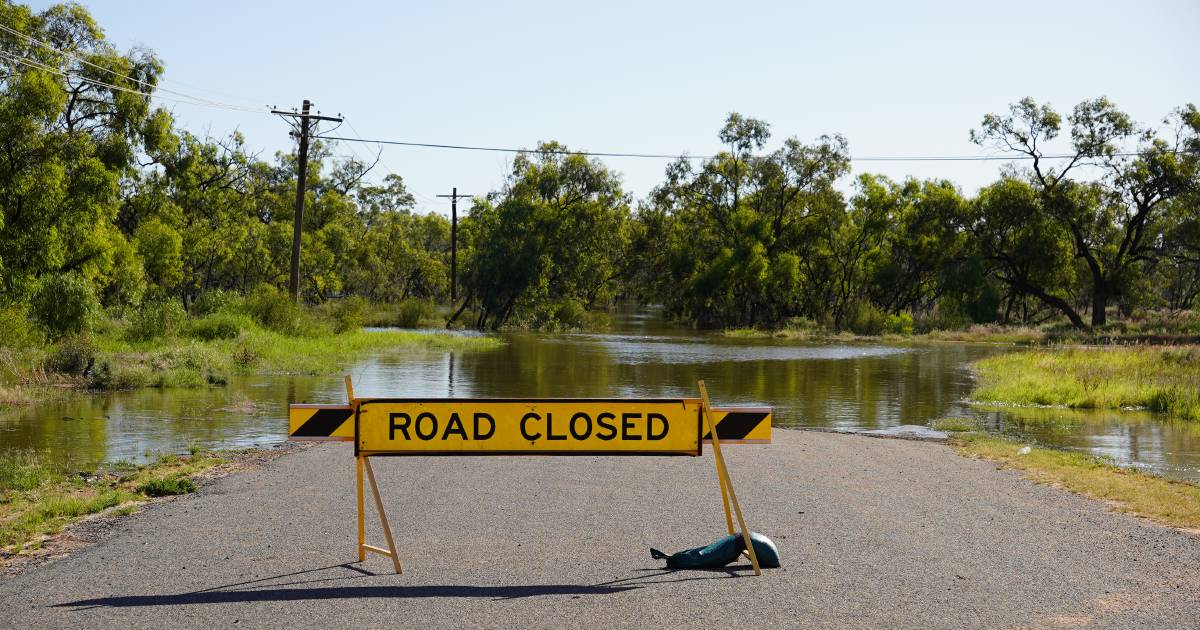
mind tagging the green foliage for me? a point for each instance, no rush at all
(64, 304)
(411, 313)
(748, 238)
(212, 301)
(218, 326)
(899, 324)
(161, 249)
(559, 233)
(74, 355)
(349, 314)
(157, 319)
(15, 328)
(273, 309)
(167, 486)
(112, 376)
(866, 319)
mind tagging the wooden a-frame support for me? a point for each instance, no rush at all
(728, 496)
(363, 462)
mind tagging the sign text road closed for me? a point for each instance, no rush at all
(511, 426)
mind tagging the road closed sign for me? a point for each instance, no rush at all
(518, 426)
(548, 427)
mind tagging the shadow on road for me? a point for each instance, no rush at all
(268, 590)
(343, 592)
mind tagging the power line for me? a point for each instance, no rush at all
(425, 199)
(67, 74)
(194, 100)
(672, 156)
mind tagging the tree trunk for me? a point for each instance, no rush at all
(1053, 301)
(1100, 295)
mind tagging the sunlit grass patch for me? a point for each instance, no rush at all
(166, 486)
(277, 353)
(39, 496)
(1162, 379)
(1175, 503)
(990, 333)
(955, 425)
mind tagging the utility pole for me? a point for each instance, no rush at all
(305, 123)
(453, 197)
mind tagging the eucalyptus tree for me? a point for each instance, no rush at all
(736, 225)
(1110, 219)
(75, 122)
(550, 244)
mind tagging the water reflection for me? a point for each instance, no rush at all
(834, 386)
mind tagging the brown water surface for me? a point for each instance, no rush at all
(837, 386)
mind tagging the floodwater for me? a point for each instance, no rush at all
(831, 386)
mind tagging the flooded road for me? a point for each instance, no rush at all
(839, 386)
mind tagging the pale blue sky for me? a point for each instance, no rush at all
(894, 78)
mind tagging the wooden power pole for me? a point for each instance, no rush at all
(453, 197)
(305, 122)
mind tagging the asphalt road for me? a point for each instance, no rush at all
(873, 533)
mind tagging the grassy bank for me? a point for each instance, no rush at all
(974, 334)
(1153, 328)
(180, 361)
(163, 347)
(1174, 503)
(39, 497)
(1161, 379)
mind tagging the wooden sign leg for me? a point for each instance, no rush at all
(362, 517)
(725, 502)
(387, 529)
(723, 473)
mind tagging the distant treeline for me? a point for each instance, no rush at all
(102, 193)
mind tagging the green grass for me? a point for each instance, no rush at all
(989, 333)
(978, 333)
(1174, 503)
(276, 353)
(1161, 379)
(955, 425)
(166, 486)
(39, 497)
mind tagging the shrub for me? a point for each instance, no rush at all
(273, 309)
(412, 312)
(110, 377)
(865, 318)
(218, 326)
(157, 319)
(64, 304)
(349, 314)
(15, 331)
(73, 355)
(901, 324)
(244, 354)
(567, 313)
(167, 486)
(212, 301)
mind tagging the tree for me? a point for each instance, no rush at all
(1028, 250)
(550, 244)
(737, 227)
(72, 127)
(1111, 220)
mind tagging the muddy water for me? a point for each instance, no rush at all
(843, 386)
